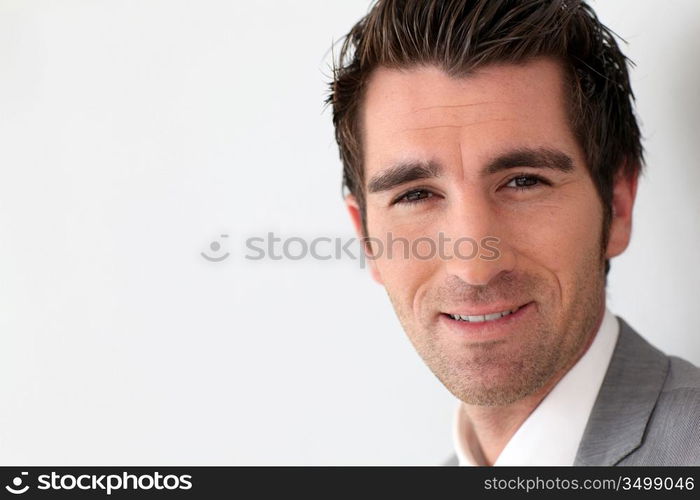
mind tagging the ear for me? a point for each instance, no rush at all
(354, 211)
(624, 194)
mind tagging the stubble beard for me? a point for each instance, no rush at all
(500, 373)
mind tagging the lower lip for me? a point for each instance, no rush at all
(488, 330)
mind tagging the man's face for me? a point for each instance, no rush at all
(489, 155)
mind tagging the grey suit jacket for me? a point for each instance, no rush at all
(647, 411)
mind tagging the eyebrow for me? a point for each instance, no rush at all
(403, 172)
(407, 171)
(538, 158)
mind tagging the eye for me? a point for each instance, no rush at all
(413, 196)
(523, 182)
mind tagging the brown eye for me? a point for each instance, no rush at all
(523, 182)
(414, 196)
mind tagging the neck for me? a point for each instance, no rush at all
(494, 426)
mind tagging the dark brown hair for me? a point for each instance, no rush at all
(459, 36)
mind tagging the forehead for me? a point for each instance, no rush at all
(423, 112)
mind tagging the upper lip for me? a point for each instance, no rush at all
(492, 309)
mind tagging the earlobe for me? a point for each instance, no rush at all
(356, 217)
(624, 194)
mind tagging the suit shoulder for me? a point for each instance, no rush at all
(673, 434)
(678, 406)
(682, 374)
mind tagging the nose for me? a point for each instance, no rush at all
(480, 250)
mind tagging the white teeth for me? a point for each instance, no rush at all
(479, 319)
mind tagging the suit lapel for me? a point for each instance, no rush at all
(626, 399)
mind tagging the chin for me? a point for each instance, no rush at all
(494, 395)
(486, 384)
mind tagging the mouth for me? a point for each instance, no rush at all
(481, 318)
(499, 322)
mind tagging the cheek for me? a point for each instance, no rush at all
(406, 255)
(562, 236)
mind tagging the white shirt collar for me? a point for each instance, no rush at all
(552, 432)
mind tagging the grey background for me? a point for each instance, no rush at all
(134, 133)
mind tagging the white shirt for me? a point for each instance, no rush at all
(552, 432)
